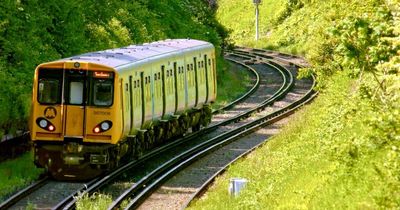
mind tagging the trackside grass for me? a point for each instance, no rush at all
(328, 157)
(17, 173)
(233, 81)
(341, 152)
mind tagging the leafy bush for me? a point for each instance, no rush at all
(342, 152)
(33, 32)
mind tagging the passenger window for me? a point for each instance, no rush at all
(102, 92)
(49, 91)
(76, 93)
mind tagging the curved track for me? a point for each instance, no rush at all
(138, 191)
(192, 178)
(157, 164)
(33, 194)
(274, 94)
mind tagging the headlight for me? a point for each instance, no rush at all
(43, 123)
(102, 127)
(105, 126)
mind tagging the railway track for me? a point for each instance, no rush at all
(148, 182)
(187, 144)
(185, 182)
(192, 147)
(306, 99)
(30, 193)
(13, 146)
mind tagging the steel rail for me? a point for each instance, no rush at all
(66, 203)
(144, 185)
(177, 164)
(23, 193)
(202, 189)
(276, 57)
(69, 203)
(13, 146)
(246, 95)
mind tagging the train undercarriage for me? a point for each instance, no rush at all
(75, 160)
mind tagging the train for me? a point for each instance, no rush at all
(91, 111)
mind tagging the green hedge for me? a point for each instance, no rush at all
(35, 31)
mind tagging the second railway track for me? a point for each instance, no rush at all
(258, 100)
(191, 181)
(246, 110)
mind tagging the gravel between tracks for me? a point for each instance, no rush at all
(48, 195)
(270, 83)
(178, 190)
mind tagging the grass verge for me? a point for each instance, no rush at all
(233, 81)
(328, 157)
(16, 174)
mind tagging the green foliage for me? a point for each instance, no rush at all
(330, 157)
(342, 152)
(93, 202)
(15, 174)
(33, 32)
(227, 92)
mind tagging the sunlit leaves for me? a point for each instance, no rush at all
(34, 31)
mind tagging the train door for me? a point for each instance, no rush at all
(136, 100)
(164, 88)
(74, 109)
(143, 83)
(207, 77)
(196, 83)
(131, 100)
(175, 83)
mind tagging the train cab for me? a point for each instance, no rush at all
(74, 103)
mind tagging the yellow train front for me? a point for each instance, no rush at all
(92, 110)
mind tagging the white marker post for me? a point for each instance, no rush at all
(256, 3)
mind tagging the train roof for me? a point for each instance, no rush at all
(135, 53)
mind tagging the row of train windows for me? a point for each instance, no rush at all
(157, 76)
(136, 84)
(147, 80)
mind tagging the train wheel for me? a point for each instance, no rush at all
(158, 134)
(206, 116)
(168, 130)
(138, 149)
(140, 143)
(196, 127)
(183, 123)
